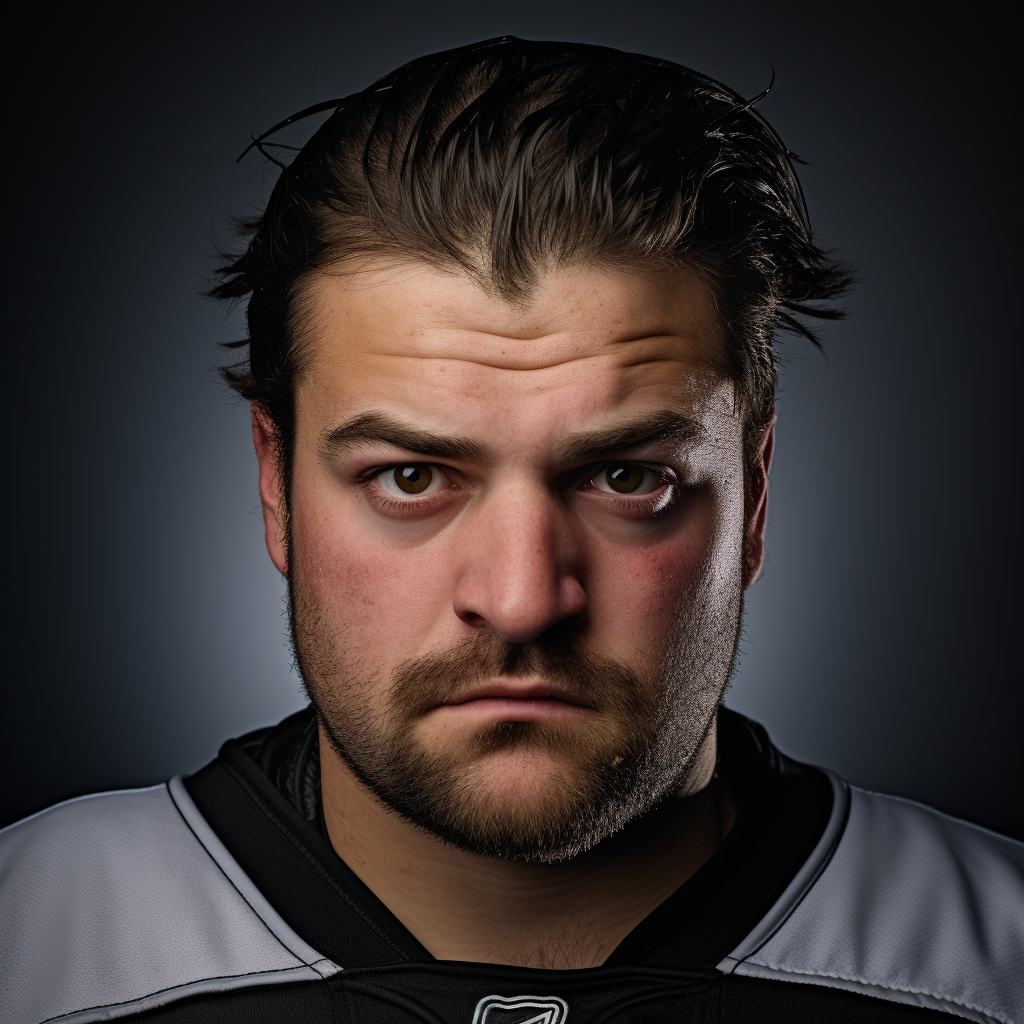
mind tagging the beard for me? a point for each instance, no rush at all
(573, 784)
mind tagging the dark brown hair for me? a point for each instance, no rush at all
(507, 157)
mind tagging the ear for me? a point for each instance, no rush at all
(757, 506)
(264, 438)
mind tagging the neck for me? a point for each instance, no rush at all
(462, 906)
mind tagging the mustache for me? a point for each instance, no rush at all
(430, 680)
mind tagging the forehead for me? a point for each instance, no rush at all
(587, 340)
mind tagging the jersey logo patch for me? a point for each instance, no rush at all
(521, 1010)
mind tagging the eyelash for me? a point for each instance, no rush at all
(656, 503)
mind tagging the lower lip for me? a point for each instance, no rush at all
(509, 709)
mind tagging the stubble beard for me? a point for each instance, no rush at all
(594, 775)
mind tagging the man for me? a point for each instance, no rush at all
(511, 314)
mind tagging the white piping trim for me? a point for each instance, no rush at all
(241, 881)
(802, 881)
(194, 988)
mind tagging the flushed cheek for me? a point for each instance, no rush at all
(636, 594)
(379, 597)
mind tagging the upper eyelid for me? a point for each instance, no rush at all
(372, 472)
(668, 477)
(664, 470)
(590, 468)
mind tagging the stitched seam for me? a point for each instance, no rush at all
(892, 988)
(186, 984)
(77, 799)
(932, 812)
(227, 877)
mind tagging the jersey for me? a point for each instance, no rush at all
(217, 897)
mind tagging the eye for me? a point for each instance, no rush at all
(411, 478)
(627, 478)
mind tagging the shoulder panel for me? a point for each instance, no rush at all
(120, 902)
(913, 907)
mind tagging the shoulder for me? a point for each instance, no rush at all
(907, 904)
(121, 901)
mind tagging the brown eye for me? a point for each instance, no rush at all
(413, 478)
(628, 478)
(625, 478)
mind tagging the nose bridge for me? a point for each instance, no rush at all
(519, 575)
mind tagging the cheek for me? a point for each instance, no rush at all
(356, 582)
(638, 593)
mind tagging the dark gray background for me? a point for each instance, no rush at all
(148, 621)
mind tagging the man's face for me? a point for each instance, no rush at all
(516, 546)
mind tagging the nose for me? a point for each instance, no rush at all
(520, 567)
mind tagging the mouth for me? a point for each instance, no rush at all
(515, 700)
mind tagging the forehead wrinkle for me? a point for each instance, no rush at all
(569, 324)
(521, 362)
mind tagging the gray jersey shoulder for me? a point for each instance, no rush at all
(906, 904)
(120, 902)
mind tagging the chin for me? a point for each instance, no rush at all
(527, 804)
(519, 791)
(523, 778)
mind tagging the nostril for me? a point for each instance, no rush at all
(471, 619)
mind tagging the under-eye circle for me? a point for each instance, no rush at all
(412, 478)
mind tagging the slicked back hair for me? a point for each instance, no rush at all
(508, 158)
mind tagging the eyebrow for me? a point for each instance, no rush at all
(659, 426)
(378, 428)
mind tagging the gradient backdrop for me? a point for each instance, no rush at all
(148, 622)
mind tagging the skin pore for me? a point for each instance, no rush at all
(500, 516)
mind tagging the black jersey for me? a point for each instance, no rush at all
(218, 898)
